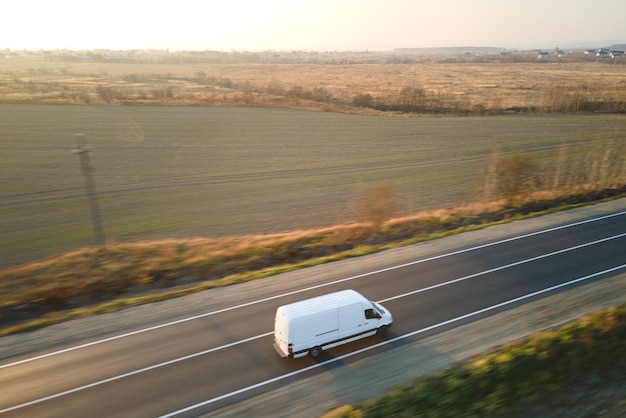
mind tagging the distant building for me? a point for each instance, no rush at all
(542, 55)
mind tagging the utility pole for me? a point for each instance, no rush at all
(90, 187)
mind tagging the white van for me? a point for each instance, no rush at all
(319, 323)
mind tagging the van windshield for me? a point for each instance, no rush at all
(379, 308)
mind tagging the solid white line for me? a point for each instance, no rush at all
(190, 356)
(506, 266)
(358, 276)
(122, 376)
(362, 350)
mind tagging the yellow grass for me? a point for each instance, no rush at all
(328, 87)
(105, 272)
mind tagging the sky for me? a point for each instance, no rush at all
(322, 25)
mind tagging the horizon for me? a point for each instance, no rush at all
(547, 47)
(312, 25)
(581, 45)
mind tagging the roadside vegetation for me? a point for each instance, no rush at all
(116, 275)
(550, 372)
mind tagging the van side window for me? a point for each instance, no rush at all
(371, 314)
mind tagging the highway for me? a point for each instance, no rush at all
(183, 358)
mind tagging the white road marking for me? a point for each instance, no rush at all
(506, 266)
(190, 356)
(390, 341)
(358, 276)
(122, 376)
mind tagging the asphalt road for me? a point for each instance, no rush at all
(197, 355)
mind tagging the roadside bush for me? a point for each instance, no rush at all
(378, 205)
(514, 176)
(363, 100)
(597, 164)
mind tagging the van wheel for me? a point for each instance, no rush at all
(315, 352)
(382, 330)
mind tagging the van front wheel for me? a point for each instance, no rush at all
(315, 352)
(382, 330)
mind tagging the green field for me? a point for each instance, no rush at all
(189, 171)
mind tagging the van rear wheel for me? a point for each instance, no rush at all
(315, 352)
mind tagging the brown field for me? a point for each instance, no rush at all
(421, 86)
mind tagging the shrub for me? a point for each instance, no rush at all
(378, 205)
(363, 100)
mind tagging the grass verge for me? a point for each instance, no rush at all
(104, 279)
(524, 378)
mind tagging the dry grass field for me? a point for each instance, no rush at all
(421, 86)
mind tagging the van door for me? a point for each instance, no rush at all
(350, 320)
(372, 318)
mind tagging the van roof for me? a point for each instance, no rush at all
(322, 303)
